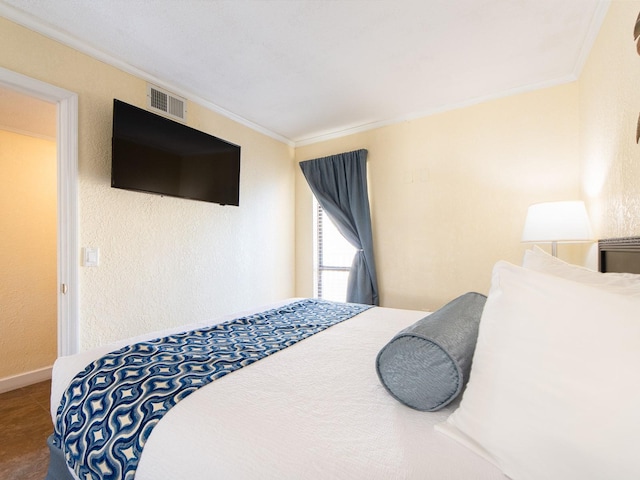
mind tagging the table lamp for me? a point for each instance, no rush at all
(553, 222)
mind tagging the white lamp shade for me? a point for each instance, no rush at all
(557, 222)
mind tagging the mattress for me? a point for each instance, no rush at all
(315, 410)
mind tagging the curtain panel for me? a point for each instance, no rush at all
(339, 183)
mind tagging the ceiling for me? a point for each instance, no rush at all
(307, 70)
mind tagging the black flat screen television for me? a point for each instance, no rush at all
(153, 154)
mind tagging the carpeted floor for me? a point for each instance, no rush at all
(25, 424)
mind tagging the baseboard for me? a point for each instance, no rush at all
(24, 379)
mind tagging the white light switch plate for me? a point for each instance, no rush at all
(90, 256)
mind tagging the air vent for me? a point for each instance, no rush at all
(166, 103)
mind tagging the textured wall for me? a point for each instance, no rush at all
(449, 193)
(28, 312)
(164, 261)
(609, 108)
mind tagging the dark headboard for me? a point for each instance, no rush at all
(619, 255)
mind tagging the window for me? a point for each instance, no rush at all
(333, 257)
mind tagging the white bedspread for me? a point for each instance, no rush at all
(315, 410)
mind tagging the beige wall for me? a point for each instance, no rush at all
(449, 192)
(609, 108)
(28, 312)
(164, 261)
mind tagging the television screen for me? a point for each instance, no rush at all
(153, 154)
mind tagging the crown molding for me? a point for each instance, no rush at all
(441, 109)
(592, 33)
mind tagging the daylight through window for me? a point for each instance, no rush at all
(333, 258)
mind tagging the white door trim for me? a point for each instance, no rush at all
(67, 151)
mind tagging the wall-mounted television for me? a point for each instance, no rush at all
(153, 154)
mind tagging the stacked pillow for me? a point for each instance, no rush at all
(554, 391)
(540, 261)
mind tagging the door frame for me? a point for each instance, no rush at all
(68, 298)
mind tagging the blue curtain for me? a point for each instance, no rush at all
(339, 183)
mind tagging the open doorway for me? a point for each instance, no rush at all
(28, 250)
(66, 281)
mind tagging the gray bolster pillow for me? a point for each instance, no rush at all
(426, 365)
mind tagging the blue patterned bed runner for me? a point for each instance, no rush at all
(110, 408)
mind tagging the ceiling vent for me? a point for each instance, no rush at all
(166, 103)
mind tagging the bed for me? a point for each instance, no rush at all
(321, 408)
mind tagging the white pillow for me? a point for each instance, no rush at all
(539, 260)
(554, 391)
